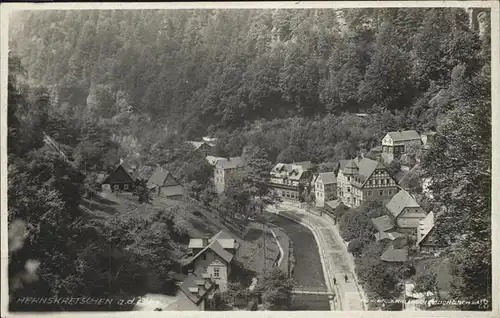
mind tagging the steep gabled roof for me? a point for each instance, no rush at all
(224, 239)
(229, 163)
(401, 200)
(367, 167)
(196, 288)
(328, 177)
(383, 223)
(425, 227)
(404, 135)
(128, 170)
(216, 245)
(158, 177)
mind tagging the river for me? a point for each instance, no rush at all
(308, 269)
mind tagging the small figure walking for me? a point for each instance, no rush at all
(345, 278)
(334, 281)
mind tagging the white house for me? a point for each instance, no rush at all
(325, 188)
(212, 257)
(396, 143)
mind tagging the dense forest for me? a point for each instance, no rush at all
(116, 83)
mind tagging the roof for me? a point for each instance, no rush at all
(392, 254)
(213, 160)
(404, 135)
(383, 223)
(128, 170)
(388, 235)
(401, 200)
(424, 227)
(201, 285)
(173, 190)
(292, 171)
(365, 167)
(328, 177)
(217, 244)
(229, 163)
(198, 144)
(306, 165)
(158, 177)
(224, 239)
(332, 204)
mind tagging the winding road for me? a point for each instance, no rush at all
(335, 259)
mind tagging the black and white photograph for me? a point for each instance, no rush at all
(228, 157)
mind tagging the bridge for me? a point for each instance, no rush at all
(311, 291)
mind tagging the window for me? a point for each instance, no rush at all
(216, 272)
(354, 200)
(390, 192)
(388, 181)
(125, 186)
(116, 187)
(369, 193)
(348, 199)
(348, 178)
(382, 181)
(381, 193)
(348, 189)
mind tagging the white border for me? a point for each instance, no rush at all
(6, 8)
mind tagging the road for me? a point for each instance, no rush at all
(335, 258)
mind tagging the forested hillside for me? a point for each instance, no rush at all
(196, 70)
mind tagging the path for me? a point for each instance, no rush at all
(335, 257)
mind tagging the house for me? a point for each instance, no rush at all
(325, 188)
(288, 179)
(362, 179)
(122, 178)
(163, 183)
(212, 258)
(191, 295)
(201, 146)
(427, 241)
(395, 255)
(224, 169)
(406, 212)
(395, 143)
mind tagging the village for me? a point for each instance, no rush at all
(406, 229)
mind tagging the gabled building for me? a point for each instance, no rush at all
(406, 212)
(212, 257)
(427, 241)
(395, 143)
(122, 178)
(325, 188)
(362, 179)
(288, 179)
(224, 169)
(163, 183)
(201, 146)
